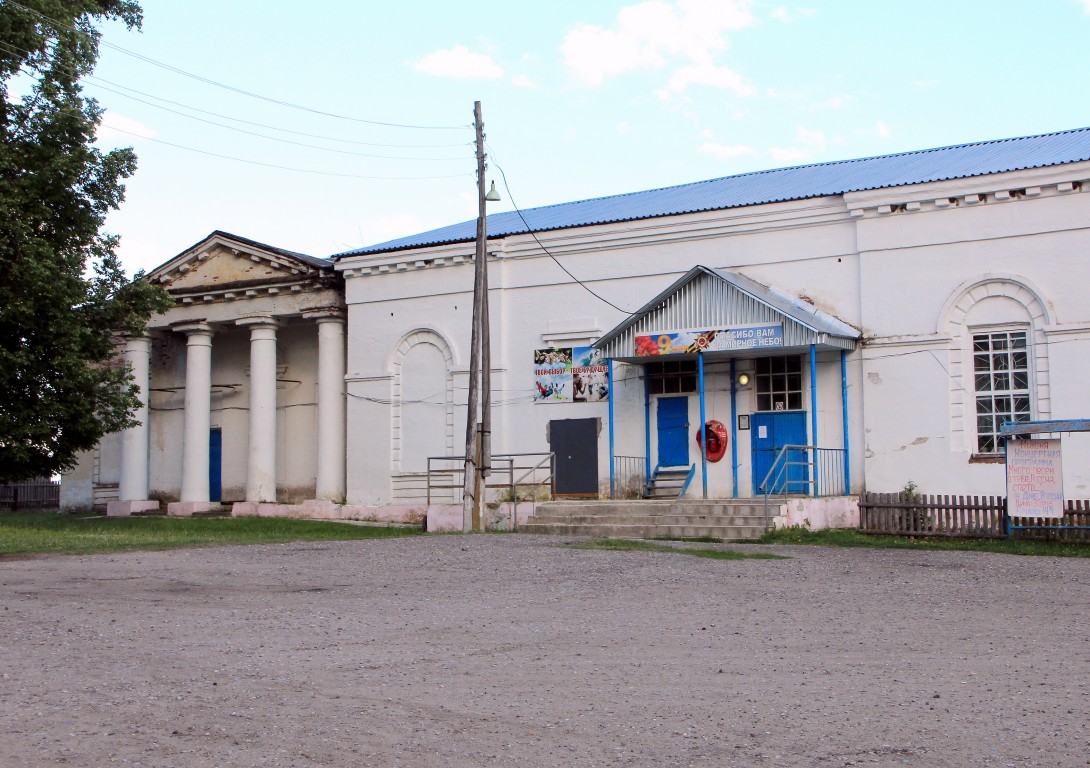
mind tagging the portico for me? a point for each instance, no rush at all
(246, 405)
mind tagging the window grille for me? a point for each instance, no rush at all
(1001, 376)
(672, 378)
(778, 383)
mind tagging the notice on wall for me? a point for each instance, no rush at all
(1034, 478)
(723, 339)
(570, 375)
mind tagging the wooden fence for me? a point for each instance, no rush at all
(42, 493)
(979, 517)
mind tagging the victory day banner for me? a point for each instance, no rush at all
(690, 342)
(570, 374)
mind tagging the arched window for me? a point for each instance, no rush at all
(998, 360)
(423, 411)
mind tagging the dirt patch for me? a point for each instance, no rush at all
(514, 650)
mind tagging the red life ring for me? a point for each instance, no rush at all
(717, 439)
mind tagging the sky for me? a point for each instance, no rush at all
(325, 126)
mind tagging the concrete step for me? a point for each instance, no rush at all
(746, 520)
(657, 507)
(724, 532)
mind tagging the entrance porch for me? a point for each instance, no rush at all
(730, 390)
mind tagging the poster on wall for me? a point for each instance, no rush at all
(1035, 478)
(723, 339)
(570, 374)
(590, 376)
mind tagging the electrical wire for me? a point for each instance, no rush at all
(231, 88)
(549, 253)
(283, 141)
(95, 79)
(282, 167)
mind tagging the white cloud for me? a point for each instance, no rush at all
(522, 81)
(810, 138)
(459, 62)
(790, 155)
(782, 14)
(834, 102)
(118, 127)
(882, 130)
(706, 74)
(1085, 6)
(653, 34)
(624, 129)
(724, 151)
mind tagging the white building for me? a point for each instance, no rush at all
(891, 311)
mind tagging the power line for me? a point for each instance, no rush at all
(549, 253)
(96, 79)
(233, 89)
(283, 141)
(282, 167)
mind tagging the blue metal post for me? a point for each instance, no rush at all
(814, 414)
(734, 426)
(612, 452)
(703, 421)
(646, 427)
(844, 407)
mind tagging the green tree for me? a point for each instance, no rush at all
(64, 298)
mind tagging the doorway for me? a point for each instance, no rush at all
(574, 442)
(672, 420)
(770, 432)
(215, 464)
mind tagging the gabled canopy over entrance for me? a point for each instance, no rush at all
(723, 314)
(711, 315)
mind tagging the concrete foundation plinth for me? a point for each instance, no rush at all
(188, 508)
(126, 508)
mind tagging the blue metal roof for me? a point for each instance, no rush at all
(796, 183)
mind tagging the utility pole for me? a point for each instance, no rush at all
(478, 463)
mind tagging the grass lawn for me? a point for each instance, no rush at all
(850, 537)
(48, 532)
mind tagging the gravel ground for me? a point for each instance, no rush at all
(517, 650)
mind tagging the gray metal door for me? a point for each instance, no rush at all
(575, 443)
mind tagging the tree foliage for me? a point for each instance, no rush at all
(64, 298)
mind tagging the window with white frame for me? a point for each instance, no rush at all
(1001, 376)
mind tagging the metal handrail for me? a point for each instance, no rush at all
(551, 480)
(504, 466)
(824, 475)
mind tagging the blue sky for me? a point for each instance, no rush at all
(580, 100)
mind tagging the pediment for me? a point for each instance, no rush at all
(222, 262)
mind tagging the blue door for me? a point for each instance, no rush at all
(769, 432)
(215, 465)
(673, 426)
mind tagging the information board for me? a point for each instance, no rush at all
(1035, 478)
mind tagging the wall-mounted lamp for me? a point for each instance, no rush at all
(492, 195)
(743, 379)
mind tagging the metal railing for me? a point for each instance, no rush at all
(515, 477)
(804, 470)
(629, 477)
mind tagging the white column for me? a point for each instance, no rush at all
(198, 419)
(261, 473)
(133, 486)
(331, 408)
(134, 440)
